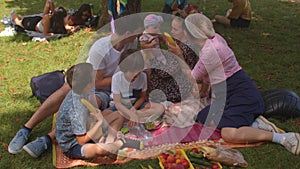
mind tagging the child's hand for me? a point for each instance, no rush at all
(131, 124)
(133, 120)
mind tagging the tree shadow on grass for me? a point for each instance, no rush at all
(28, 7)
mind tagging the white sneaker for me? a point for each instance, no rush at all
(228, 12)
(264, 124)
(292, 143)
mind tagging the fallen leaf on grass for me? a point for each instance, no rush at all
(18, 119)
(48, 50)
(3, 78)
(45, 42)
(5, 146)
(264, 34)
(21, 59)
(43, 158)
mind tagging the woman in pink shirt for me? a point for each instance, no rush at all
(236, 103)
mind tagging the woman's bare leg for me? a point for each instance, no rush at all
(245, 135)
(49, 7)
(16, 19)
(222, 20)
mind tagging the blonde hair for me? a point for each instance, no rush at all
(199, 26)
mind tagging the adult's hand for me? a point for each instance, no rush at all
(174, 49)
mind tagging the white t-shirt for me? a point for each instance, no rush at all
(126, 89)
(103, 56)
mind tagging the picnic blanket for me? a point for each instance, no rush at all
(183, 133)
(166, 139)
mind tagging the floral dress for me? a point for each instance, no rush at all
(188, 52)
(167, 81)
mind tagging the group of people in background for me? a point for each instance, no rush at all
(236, 106)
(54, 20)
(238, 16)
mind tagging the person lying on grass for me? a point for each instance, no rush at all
(53, 20)
(72, 132)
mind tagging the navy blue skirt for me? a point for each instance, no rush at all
(235, 103)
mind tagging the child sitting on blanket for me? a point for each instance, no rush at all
(72, 127)
(129, 88)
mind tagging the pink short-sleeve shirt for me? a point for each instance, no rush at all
(217, 61)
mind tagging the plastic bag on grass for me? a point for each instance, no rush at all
(226, 156)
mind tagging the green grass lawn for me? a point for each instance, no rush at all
(268, 52)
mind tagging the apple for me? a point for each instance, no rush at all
(164, 155)
(215, 166)
(185, 163)
(195, 150)
(170, 159)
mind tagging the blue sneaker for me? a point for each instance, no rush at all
(37, 147)
(16, 144)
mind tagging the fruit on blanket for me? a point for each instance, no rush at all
(89, 106)
(179, 166)
(185, 163)
(170, 39)
(195, 150)
(164, 156)
(215, 166)
(173, 159)
(170, 159)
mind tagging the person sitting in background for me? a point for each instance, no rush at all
(188, 9)
(172, 6)
(238, 16)
(73, 132)
(81, 16)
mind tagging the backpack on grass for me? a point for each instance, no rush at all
(44, 85)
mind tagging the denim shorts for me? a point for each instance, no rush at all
(76, 152)
(104, 97)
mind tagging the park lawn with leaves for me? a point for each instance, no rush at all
(268, 51)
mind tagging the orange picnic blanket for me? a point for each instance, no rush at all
(61, 161)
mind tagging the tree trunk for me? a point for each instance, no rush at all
(104, 16)
(134, 6)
